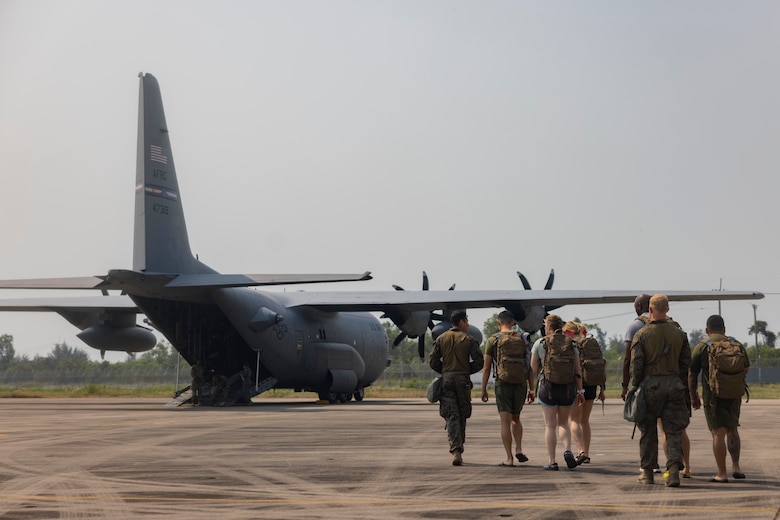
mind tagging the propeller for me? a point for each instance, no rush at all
(521, 313)
(431, 316)
(547, 286)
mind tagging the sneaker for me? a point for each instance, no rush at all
(571, 462)
(551, 467)
(521, 457)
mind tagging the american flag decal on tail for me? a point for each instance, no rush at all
(155, 153)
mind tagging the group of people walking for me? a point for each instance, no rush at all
(658, 361)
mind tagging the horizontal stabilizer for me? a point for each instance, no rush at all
(76, 282)
(115, 303)
(124, 279)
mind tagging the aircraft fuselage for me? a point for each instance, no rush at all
(302, 348)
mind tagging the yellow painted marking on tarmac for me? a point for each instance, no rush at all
(375, 502)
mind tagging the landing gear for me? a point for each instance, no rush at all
(342, 397)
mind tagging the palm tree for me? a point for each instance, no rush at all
(760, 327)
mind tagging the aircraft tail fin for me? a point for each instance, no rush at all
(161, 243)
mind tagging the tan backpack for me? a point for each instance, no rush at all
(594, 366)
(510, 358)
(559, 358)
(727, 364)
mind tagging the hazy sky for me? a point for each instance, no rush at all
(627, 145)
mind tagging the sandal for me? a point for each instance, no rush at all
(569, 458)
(551, 467)
(582, 459)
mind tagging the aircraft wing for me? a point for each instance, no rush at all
(409, 301)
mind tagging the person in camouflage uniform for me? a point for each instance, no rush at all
(456, 356)
(660, 357)
(642, 308)
(197, 382)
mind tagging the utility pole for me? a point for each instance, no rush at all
(755, 334)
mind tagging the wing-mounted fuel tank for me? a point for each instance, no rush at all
(111, 331)
(123, 339)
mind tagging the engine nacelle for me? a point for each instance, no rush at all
(444, 326)
(413, 324)
(121, 339)
(529, 318)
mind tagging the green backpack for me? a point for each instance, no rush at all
(559, 358)
(510, 358)
(594, 366)
(727, 364)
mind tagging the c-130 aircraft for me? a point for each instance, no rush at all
(325, 342)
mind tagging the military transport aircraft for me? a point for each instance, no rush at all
(325, 342)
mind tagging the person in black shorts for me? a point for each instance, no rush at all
(556, 399)
(579, 420)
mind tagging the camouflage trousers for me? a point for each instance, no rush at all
(666, 399)
(455, 407)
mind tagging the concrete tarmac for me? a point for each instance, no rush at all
(292, 458)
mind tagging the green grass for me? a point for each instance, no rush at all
(87, 391)
(767, 391)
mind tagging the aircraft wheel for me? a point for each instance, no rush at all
(323, 396)
(359, 394)
(333, 397)
(345, 397)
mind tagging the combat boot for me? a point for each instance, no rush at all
(646, 476)
(457, 459)
(673, 480)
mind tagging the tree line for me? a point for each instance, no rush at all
(71, 365)
(162, 364)
(612, 346)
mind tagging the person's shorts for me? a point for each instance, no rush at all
(553, 394)
(511, 398)
(726, 413)
(590, 392)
